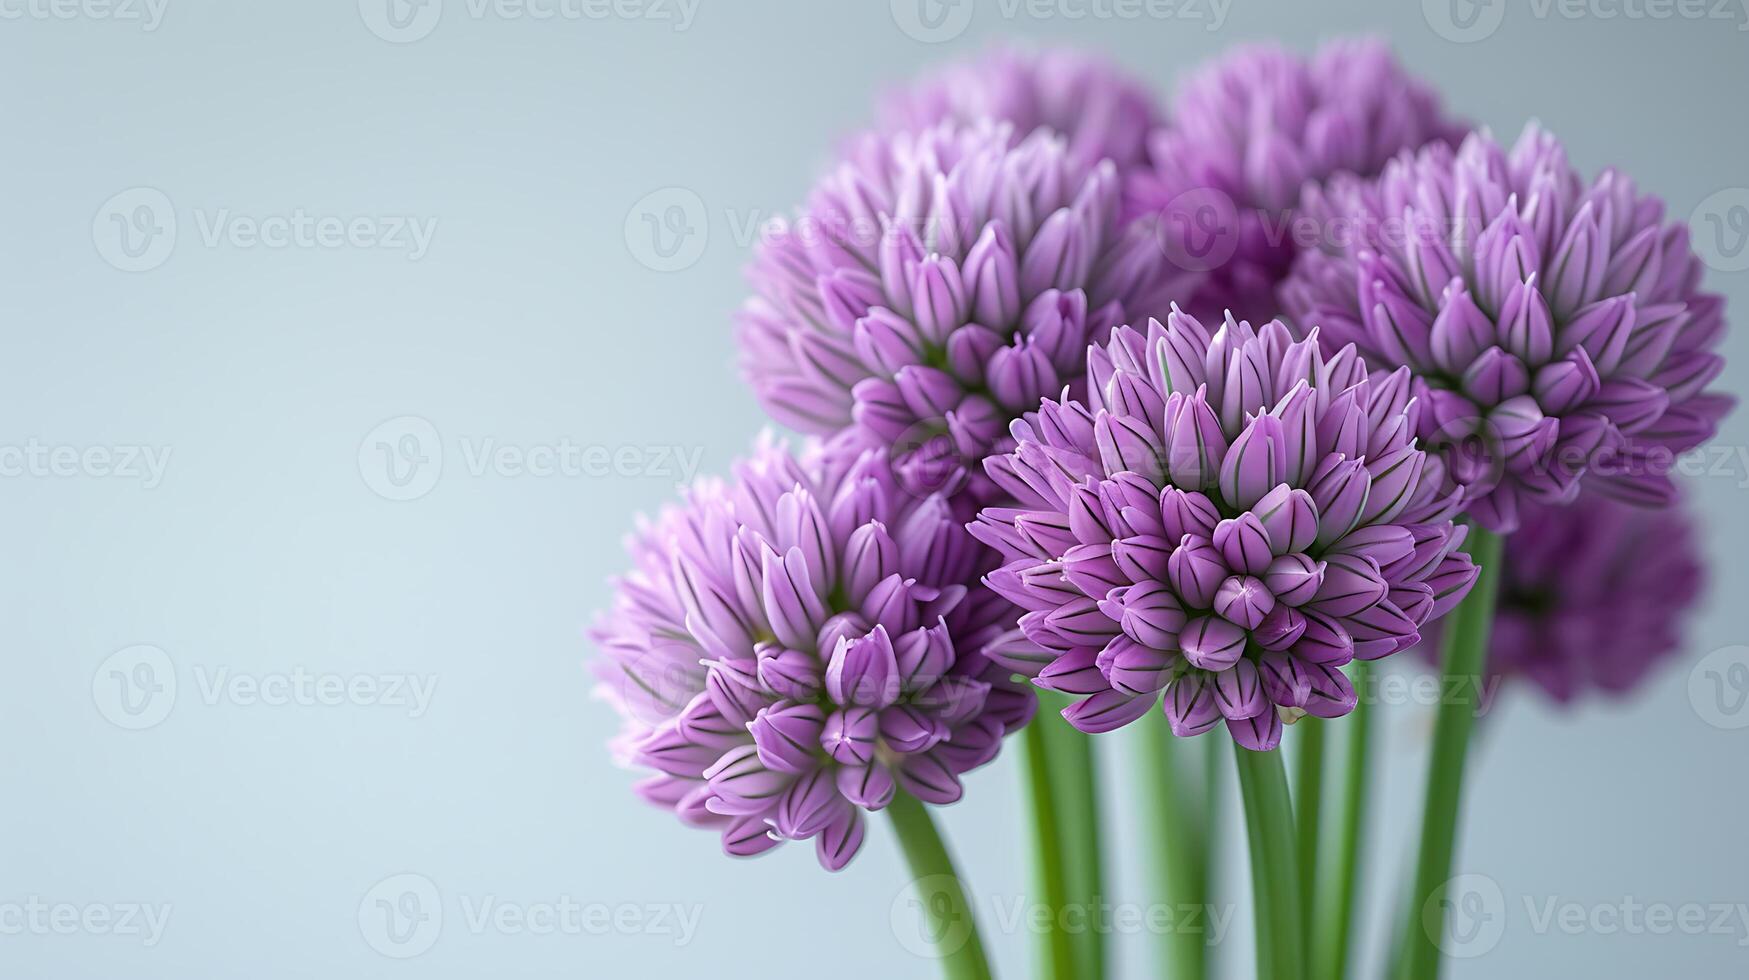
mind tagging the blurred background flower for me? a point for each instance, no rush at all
(1100, 111)
(1246, 132)
(1593, 596)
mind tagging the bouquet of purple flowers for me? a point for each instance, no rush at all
(1175, 416)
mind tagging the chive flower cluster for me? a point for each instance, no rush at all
(1227, 521)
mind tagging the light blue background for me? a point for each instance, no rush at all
(533, 318)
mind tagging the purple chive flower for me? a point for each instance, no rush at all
(1556, 327)
(1247, 132)
(938, 285)
(796, 645)
(1101, 113)
(1592, 596)
(1227, 522)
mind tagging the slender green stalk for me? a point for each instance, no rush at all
(1055, 952)
(941, 896)
(1309, 806)
(1465, 656)
(1173, 820)
(1275, 879)
(1215, 768)
(1338, 878)
(1396, 942)
(1074, 782)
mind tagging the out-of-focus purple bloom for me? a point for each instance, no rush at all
(1101, 113)
(1227, 521)
(1556, 327)
(1247, 132)
(1592, 596)
(938, 285)
(799, 643)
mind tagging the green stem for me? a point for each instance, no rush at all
(1054, 954)
(1338, 879)
(1275, 879)
(1074, 782)
(1174, 821)
(1309, 805)
(952, 926)
(1215, 768)
(1465, 656)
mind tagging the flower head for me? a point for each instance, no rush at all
(938, 285)
(1101, 113)
(1556, 327)
(796, 645)
(1248, 131)
(1592, 596)
(1229, 520)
